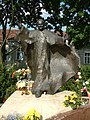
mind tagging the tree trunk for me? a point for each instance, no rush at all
(3, 46)
(0, 56)
(3, 50)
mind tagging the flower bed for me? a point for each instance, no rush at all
(31, 114)
(24, 82)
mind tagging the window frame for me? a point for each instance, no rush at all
(86, 57)
(19, 51)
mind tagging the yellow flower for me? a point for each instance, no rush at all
(72, 93)
(64, 104)
(28, 70)
(30, 115)
(66, 97)
(75, 96)
(72, 101)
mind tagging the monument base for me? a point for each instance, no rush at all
(46, 105)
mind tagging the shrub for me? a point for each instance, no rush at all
(80, 80)
(72, 100)
(9, 91)
(6, 81)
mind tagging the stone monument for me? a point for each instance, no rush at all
(51, 61)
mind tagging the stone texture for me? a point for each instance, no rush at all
(47, 105)
(82, 113)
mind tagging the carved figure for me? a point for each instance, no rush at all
(51, 61)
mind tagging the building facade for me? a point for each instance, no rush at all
(84, 55)
(17, 55)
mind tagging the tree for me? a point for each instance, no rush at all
(15, 12)
(4, 12)
(73, 14)
(76, 16)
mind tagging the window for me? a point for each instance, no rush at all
(87, 57)
(20, 55)
(0, 1)
(8, 58)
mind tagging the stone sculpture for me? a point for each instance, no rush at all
(51, 61)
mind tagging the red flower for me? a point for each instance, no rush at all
(4, 100)
(76, 76)
(13, 75)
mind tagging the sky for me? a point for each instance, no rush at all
(44, 14)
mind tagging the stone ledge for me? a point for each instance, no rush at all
(78, 114)
(47, 105)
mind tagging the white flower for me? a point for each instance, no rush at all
(77, 80)
(80, 76)
(20, 84)
(23, 69)
(15, 63)
(74, 102)
(86, 82)
(18, 71)
(79, 73)
(23, 84)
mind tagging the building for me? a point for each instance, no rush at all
(84, 54)
(17, 56)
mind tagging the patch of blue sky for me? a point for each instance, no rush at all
(45, 14)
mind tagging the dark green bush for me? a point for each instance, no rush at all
(7, 84)
(9, 91)
(85, 70)
(74, 85)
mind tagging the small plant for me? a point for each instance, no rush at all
(15, 116)
(24, 82)
(7, 84)
(22, 74)
(72, 100)
(32, 114)
(74, 84)
(25, 86)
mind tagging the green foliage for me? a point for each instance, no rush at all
(85, 70)
(77, 16)
(79, 81)
(86, 76)
(7, 84)
(62, 13)
(72, 85)
(72, 100)
(9, 91)
(79, 35)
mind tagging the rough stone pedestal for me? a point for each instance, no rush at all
(47, 105)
